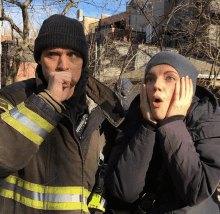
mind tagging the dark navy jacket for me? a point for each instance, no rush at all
(188, 147)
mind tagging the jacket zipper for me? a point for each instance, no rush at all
(80, 151)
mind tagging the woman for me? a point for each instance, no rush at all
(166, 158)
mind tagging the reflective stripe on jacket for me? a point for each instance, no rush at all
(44, 197)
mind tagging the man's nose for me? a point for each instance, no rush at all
(63, 63)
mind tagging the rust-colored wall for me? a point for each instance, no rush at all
(26, 71)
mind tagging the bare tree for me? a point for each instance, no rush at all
(189, 26)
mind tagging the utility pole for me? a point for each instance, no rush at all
(1, 44)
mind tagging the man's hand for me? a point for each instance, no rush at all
(182, 97)
(144, 105)
(61, 85)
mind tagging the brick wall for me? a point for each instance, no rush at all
(6, 35)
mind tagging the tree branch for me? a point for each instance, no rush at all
(69, 5)
(26, 3)
(14, 2)
(13, 25)
(197, 26)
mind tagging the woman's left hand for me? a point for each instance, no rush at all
(182, 97)
(144, 104)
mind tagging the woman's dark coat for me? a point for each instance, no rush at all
(189, 148)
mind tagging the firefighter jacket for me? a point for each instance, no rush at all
(44, 166)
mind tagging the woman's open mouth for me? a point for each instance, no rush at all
(157, 102)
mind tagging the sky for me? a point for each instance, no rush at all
(38, 13)
(110, 8)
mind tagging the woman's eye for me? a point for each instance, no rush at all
(170, 78)
(149, 79)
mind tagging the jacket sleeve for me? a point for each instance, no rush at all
(128, 164)
(22, 129)
(194, 166)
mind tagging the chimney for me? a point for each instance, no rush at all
(80, 15)
(104, 16)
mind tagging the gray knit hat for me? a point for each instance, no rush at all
(182, 65)
(61, 31)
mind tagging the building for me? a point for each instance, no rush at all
(130, 25)
(137, 23)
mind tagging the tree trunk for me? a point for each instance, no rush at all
(15, 66)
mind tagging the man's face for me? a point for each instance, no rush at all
(61, 59)
(160, 86)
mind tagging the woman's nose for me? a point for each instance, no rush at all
(158, 85)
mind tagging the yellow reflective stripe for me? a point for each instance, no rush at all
(67, 206)
(5, 105)
(97, 202)
(11, 179)
(41, 204)
(28, 123)
(44, 197)
(46, 189)
(35, 117)
(21, 128)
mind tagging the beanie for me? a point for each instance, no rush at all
(182, 65)
(61, 31)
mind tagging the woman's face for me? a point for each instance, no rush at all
(160, 85)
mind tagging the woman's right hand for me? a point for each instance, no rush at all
(144, 105)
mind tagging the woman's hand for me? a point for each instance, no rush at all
(182, 97)
(144, 105)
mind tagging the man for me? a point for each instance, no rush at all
(56, 128)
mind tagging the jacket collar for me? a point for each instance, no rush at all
(103, 96)
(106, 100)
(204, 105)
(40, 85)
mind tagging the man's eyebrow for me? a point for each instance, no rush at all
(71, 50)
